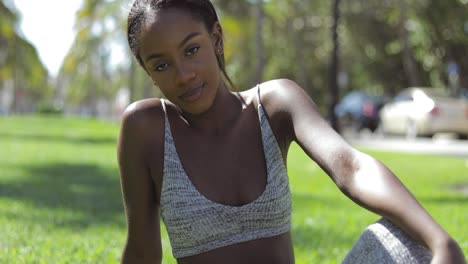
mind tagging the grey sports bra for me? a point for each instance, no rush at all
(196, 224)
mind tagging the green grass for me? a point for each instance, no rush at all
(60, 196)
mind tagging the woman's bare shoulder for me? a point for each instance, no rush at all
(276, 95)
(143, 121)
(143, 108)
(269, 91)
(146, 112)
(280, 90)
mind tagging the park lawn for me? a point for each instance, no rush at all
(60, 196)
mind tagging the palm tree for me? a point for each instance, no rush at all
(20, 65)
(86, 73)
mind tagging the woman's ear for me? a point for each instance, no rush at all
(217, 38)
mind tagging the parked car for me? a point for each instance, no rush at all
(424, 112)
(359, 110)
(464, 93)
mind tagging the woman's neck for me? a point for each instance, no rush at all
(222, 114)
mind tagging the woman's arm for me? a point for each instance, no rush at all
(362, 178)
(143, 243)
(376, 188)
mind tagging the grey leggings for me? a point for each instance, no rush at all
(385, 243)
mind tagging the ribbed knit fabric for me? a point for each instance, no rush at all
(385, 243)
(196, 224)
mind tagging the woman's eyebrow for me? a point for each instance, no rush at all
(182, 43)
(188, 37)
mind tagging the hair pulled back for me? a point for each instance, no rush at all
(202, 10)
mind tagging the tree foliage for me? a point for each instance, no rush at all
(88, 74)
(385, 46)
(20, 65)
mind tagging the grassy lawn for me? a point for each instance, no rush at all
(60, 196)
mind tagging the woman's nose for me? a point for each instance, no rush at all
(184, 74)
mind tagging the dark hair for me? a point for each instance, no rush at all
(202, 10)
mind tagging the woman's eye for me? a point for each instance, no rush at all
(192, 51)
(161, 67)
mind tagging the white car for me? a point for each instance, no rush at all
(424, 112)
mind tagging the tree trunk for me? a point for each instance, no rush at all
(148, 89)
(334, 92)
(259, 16)
(408, 62)
(302, 71)
(15, 93)
(132, 81)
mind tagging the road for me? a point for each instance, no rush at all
(439, 145)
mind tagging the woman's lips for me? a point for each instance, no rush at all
(192, 95)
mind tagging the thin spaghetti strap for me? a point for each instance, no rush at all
(163, 105)
(166, 118)
(258, 94)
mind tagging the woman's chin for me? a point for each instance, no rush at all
(199, 106)
(196, 109)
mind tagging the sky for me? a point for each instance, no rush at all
(48, 25)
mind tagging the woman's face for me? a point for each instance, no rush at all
(179, 54)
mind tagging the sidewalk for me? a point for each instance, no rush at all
(438, 145)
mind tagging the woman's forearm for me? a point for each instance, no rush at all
(376, 188)
(137, 254)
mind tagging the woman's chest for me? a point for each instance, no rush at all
(229, 169)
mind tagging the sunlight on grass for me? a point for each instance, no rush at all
(60, 196)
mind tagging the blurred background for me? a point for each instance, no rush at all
(73, 58)
(390, 75)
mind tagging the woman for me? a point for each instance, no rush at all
(211, 162)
